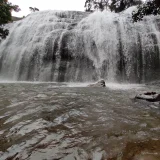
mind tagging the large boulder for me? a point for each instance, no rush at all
(100, 83)
(149, 96)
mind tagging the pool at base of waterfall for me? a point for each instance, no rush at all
(69, 121)
(73, 46)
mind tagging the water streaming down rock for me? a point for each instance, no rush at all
(77, 46)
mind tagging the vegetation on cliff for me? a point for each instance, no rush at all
(113, 5)
(149, 7)
(5, 16)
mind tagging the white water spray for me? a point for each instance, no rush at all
(81, 47)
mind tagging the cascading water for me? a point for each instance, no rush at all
(78, 47)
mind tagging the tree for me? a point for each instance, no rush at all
(120, 5)
(5, 16)
(148, 8)
(92, 5)
(113, 5)
(33, 9)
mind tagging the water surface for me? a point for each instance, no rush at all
(71, 121)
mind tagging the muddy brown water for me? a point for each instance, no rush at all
(55, 121)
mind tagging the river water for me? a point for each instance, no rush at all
(65, 121)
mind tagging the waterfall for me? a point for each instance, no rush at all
(72, 46)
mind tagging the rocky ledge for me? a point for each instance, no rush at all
(149, 96)
(100, 83)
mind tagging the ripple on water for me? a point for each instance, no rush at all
(25, 127)
(66, 122)
(23, 113)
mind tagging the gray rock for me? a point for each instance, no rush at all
(100, 83)
(149, 96)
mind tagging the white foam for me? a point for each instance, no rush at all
(103, 39)
(118, 86)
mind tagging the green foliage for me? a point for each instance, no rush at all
(5, 16)
(113, 5)
(120, 5)
(91, 5)
(148, 8)
(3, 33)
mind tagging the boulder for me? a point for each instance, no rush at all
(100, 83)
(149, 96)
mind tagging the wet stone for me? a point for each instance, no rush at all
(149, 96)
(100, 83)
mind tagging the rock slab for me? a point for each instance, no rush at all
(100, 83)
(149, 96)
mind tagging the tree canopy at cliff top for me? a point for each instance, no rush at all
(143, 8)
(147, 8)
(113, 5)
(5, 16)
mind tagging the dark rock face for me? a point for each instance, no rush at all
(100, 83)
(149, 96)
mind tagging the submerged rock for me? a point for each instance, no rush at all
(100, 83)
(149, 96)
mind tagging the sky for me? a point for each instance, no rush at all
(77, 5)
